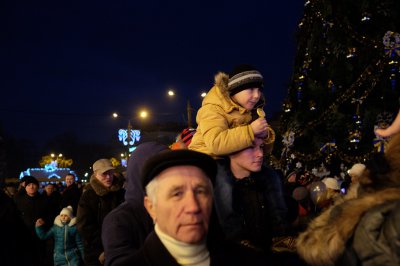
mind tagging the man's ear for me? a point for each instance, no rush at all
(148, 204)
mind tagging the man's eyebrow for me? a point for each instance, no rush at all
(175, 187)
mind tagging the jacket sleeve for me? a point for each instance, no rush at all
(79, 243)
(42, 234)
(218, 137)
(87, 223)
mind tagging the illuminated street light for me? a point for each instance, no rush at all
(115, 115)
(203, 94)
(143, 114)
(189, 108)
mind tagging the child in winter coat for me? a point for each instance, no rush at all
(68, 246)
(231, 114)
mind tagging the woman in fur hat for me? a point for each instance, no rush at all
(364, 229)
(68, 247)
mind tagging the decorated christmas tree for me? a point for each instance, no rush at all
(345, 82)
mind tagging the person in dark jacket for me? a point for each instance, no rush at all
(13, 239)
(71, 194)
(256, 210)
(364, 228)
(179, 200)
(32, 206)
(53, 199)
(126, 227)
(103, 194)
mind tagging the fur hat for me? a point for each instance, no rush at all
(244, 77)
(67, 211)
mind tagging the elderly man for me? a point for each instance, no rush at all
(179, 200)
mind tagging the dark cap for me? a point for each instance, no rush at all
(168, 158)
(30, 179)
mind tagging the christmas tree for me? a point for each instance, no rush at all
(345, 82)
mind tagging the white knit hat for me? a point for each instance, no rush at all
(67, 211)
(357, 169)
(331, 183)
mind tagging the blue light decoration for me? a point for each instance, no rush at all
(130, 139)
(49, 173)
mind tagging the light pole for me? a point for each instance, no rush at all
(189, 108)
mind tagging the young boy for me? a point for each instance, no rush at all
(68, 247)
(227, 120)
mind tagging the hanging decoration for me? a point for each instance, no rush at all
(331, 86)
(328, 147)
(391, 41)
(379, 143)
(288, 141)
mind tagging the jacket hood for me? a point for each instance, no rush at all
(57, 221)
(101, 190)
(219, 95)
(134, 192)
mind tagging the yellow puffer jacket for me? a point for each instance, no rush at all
(223, 125)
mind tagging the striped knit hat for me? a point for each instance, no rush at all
(244, 77)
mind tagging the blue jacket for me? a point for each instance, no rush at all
(68, 247)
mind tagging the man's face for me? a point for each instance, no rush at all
(106, 178)
(31, 189)
(250, 159)
(49, 189)
(183, 203)
(69, 180)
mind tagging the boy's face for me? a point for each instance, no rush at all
(247, 98)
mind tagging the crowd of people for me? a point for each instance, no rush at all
(210, 199)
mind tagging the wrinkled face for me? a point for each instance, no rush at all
(106, 178)
(31, 189)
(250, 159)
(183, 203)
(247, 98)
(64, 218)
(69, 180)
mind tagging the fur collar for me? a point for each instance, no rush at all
(57, 221)
(325, 239)
(101, 190)
(222, 81)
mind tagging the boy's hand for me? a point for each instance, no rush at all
(259, 127)
(39, 222)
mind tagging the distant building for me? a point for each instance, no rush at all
(50, 173)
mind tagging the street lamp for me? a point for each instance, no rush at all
(189, 108)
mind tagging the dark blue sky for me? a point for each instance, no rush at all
(69, 65)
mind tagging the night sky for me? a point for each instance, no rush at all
(68, 65)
